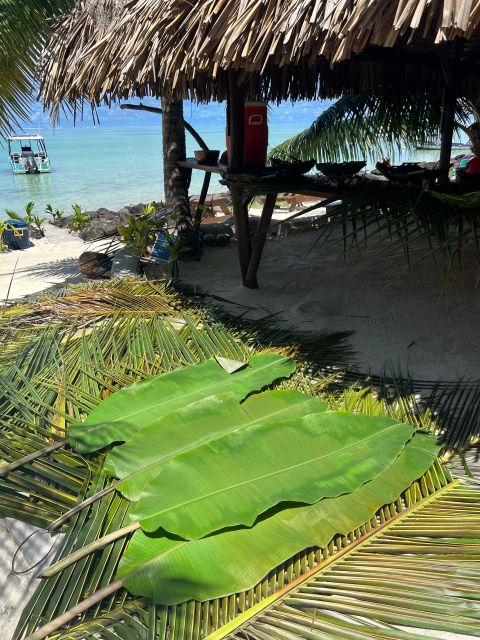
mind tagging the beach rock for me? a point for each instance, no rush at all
(103, 224)
(94, 264)
(138, 209)
(34, 233)
(125, 264)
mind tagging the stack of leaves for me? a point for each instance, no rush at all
(225, 481)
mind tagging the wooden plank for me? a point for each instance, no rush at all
(191, 163)
(256, 255)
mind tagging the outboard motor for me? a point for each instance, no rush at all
(29, 160)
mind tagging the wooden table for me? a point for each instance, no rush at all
(243, 190)
(210, 201)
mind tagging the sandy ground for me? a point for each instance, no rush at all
(408, 320)
(50, 261)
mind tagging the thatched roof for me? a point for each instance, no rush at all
(281, 48)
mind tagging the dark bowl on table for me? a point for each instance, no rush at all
(341, 169)
(209, 157)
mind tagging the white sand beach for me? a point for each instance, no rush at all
(49, 262)
(405, 319)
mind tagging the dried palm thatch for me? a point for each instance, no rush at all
(281, 49)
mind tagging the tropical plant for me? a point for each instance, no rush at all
(28, 217)
(3, 227)
(24, 27)
(79, 220)
(63, 355)
(356, 127)
(140, 231)
(12, 214)
(56, 214)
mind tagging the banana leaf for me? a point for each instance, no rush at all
(231, 481)
(142, 404)
(168, 570)
(194, 425)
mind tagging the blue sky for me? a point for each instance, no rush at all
(205, 117)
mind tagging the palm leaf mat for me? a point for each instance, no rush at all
(62, 372)
(419, 569)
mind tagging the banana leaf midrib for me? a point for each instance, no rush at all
(287, 470)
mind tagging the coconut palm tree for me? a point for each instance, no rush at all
(24, 27)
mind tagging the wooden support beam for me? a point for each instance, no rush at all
(256, 255)
(236, 128)
(453, 74)
(449, 102)
(236, 162)
(242, 228)
(201, 202)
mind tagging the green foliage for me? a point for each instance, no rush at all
(316, 456)
(170, 571)
(31, 219)
(135, 408)
(140, 231)
(13, 215)
(24, 27)
(404, 218)
(28, 217)
(413, 575)
(79, 219)
(194, 425)
(355, 127)
(56, 214)
(62, 357)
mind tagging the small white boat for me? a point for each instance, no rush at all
(28, 154)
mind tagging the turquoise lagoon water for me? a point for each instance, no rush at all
(107, 167)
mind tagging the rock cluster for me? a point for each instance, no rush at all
(103, 222)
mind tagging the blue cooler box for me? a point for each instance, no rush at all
(16, 235)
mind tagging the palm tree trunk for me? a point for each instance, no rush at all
(175, 180)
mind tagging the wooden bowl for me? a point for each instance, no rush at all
(207, 157)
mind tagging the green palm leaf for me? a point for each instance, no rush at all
(24, 27)
(356, 127)
(320, 455)
(134, 408)
(194, 425)
(169, 570)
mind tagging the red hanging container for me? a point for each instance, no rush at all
(256, 134)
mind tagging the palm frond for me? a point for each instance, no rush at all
(368, 127)
(418, 570)
(95, 355)
(192, 620)
(24, 28)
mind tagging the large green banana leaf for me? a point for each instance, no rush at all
(144, 403)
(140, 460)
(234, 479)
(170, 570)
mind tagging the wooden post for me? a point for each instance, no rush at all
(236, 162)
(449, 101)
(267, 212)
(453, 74)
(201, 202)
(236, 106)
